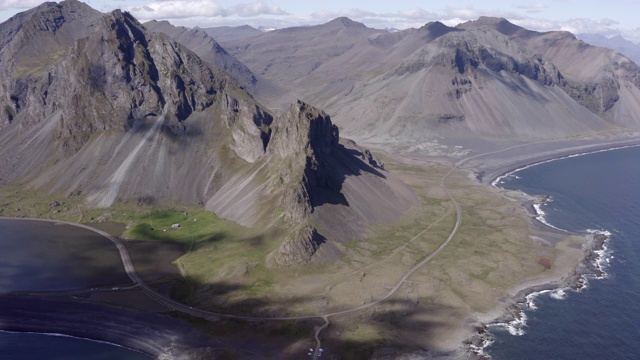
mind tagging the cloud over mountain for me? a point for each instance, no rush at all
(202, 9)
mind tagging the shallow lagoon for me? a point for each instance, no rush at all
(42, 256)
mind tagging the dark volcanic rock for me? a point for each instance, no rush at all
(117, 74)
(302, 145)
(301, 148)
(117, 113)
(208, 50)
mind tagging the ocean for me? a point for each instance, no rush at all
(41, 256)
(597, 191)
(30, 346)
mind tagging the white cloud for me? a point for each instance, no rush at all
(417, 13)
(575, 26)
(533, 8)
(631, 34)
(202, 9)
(256, 9)
(354, 14)
(178, 9)
(466, 13)
(608, 22)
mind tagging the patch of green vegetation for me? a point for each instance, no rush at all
(194, 229)
(428, 230)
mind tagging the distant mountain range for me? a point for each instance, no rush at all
(486, 79)
(617, 43)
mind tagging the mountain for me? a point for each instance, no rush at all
(602, 80)
(486, 79)
(113, 112)
(208, 49)
(289, 54)
(230, 34)
(617, 43)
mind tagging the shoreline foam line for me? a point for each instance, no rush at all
(75, 337)
(516, 326)
(497, 180)
(540, 216)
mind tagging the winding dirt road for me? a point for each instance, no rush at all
(209, 315)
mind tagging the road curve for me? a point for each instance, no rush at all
(209, 315)
(177, 306)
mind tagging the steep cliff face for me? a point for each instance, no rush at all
(316, 187)
(118, 74)
(311, 170)
(595, 77)
(31, 45)
(302, 145)
(487, 79)
(208, 49)
(125, 115)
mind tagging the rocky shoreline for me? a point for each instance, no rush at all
(514, 314)
(589, 265)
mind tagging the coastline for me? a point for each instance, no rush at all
(489, 167)
(155, 330)
(75, 337)
(139, 330)
(523, 291)
(510, 314)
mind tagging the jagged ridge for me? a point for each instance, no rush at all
(123, 114)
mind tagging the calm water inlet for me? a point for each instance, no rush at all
(42, 256)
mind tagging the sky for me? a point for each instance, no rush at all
(608, 18)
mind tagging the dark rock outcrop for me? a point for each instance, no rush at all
(117, 74)
(208, 49)
(118, 113)
(301, 148)
(298, 248)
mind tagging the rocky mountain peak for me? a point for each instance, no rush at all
(434, 30)
(435, 26)
(344, 21)
(304, 128)
(500, 24)
(301, 150)
(209, 50)
(116, 74)
(39, 36)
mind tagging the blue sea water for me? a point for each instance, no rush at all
(595, 191)
(29, 346)
(40, 256)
